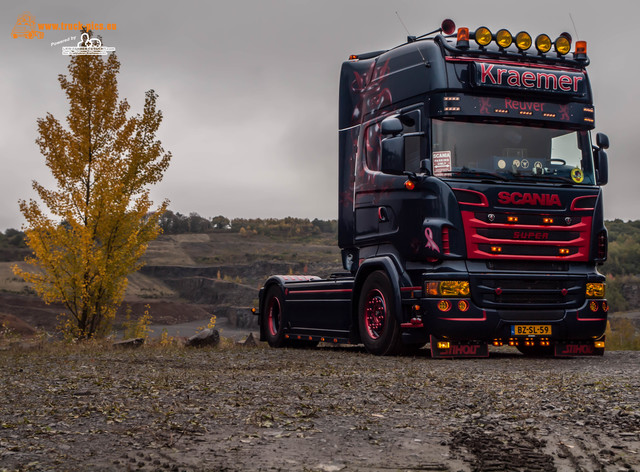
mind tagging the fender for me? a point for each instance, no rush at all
(280, 280)
(397, 276)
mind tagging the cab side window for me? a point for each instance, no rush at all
(413, 139)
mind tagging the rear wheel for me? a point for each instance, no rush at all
(377, 320)
(272, 320)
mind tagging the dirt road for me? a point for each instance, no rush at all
(327, 409)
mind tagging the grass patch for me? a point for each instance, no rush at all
(622, 335)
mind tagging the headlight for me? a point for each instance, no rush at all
(447, 288)
(595, 290)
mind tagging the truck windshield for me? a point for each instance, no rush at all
(510, 152)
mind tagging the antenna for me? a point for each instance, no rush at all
(410, 38)
(574, 26)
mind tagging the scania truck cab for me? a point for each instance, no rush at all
(470, 203)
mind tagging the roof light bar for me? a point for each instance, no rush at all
(522, 41)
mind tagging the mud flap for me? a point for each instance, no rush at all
(449, 349)
(577, 349)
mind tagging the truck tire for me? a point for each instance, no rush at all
(379, 326)
(273, 320)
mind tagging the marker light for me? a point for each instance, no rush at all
(482, 36)
(595, 290)
(448, 26)
(353, 57)
(581, 47)
(504, 38)
(443, 345)
(581, 50)
(543, 43)
(523, 41)
(463, 38)
(562, 45)
(598, 344)
(409, 185)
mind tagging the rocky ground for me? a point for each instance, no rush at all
(328, 409)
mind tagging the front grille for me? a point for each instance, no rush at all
(524, 236)
(527, 292)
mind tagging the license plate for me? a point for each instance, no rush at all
(531, 330)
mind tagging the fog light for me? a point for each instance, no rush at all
(523, 41)
(444, 305)
(543, 43)
(563, 45)
(463, 305)
(595, 290)
(504, 38)
(593, 306)
(482, 36)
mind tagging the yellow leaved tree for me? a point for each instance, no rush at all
(98, 219)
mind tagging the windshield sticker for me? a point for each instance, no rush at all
(577, 175)
(441, 162)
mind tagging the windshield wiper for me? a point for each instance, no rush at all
(544, 177)
(477, 173)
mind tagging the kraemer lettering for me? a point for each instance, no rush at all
(499, 75)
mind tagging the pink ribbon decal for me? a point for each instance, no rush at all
(431, 244)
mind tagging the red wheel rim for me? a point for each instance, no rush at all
(273, 317)
(375, 314)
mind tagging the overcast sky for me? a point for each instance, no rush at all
(249, 89)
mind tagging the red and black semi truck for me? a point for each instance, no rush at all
(470, 203)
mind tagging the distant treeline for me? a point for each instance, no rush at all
(176, 223)
(12, 238)
(624, 237)
(624, 248)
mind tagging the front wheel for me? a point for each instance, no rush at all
(272, 320)
(377, 320)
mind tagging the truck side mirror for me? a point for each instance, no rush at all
(391, 126)
(393, 155)
(425, 166)
(602, 140)
(603, 166)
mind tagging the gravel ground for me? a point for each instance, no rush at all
(327, 409)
